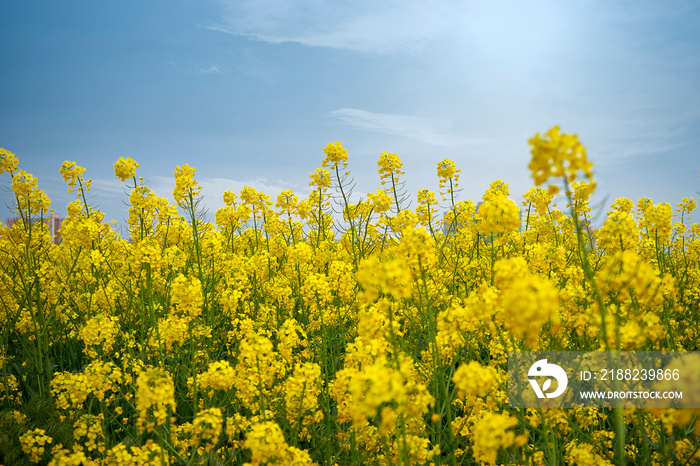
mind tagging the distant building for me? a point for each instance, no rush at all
(52, 221)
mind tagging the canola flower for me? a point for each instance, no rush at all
(285, 334)
(185, 184)
(448, 173)
(335, 154)
(34, 443)
(320, 178)
(8, 162)
(560, 156)
(125, 168)
(155, 398)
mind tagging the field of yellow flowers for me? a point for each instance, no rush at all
(321, 331)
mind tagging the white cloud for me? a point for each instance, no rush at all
(367, 26)
(211, 69)
(642, 132)
(433, 132)
(109, 186)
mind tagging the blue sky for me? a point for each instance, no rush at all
(250, 92)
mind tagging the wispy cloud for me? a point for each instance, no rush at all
(366, 26)
(211, 69)
(433, 132)
(643, 131)
(109, 187)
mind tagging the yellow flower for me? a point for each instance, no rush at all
(207, 426)
(583, 454)
(380, 201)
(619, 231)
(447, 169)
(301, 393)
(474, 379)
(320, 178)
(119, 455)
(686, 206)
(426, 207)
(89, 427)
(257, 369)
(155, 396)
(390, 277)
(99, 334)
(71, 172)
(31, 200)
(266, 442)
(8, 162)
(449, 176)
(335, 153)
(655, 221)
(219, 376)
(492, 433)
(186, 296)
(528, 301)
(104, 378)
(34, 443)
(125, 168)
(389, 166)
(70, 390)
(539, 198)
(9, 389)
(185, 184)
(287, 201)
(498, 215)
(558, 155)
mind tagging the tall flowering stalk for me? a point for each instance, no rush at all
(390, 171)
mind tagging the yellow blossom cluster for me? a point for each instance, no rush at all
(71, 173)
(34, 443)
(186, 187)
(99, 334)
(30, 200)
(584, 454)
(528, 301)
(125, 168)
(388, 277)
(267, 445)
(155, 398)
(448, 173)
(335, 154)
(320, 178)
(389, 166)
(8, 162)
(558, 155)
(219, 376)
(88, 428)
(475, 380)
(498, 215)
(492, 433)
(187, 296)
(207, 427)
(301, 393)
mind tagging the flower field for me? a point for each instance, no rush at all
(328, 330)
